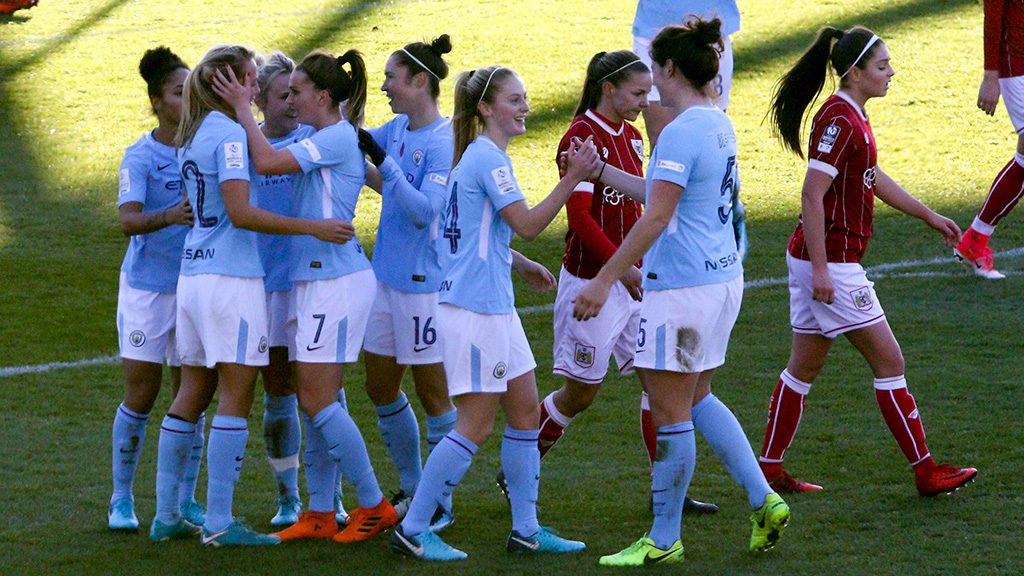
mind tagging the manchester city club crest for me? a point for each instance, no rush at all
(137, 338)
(263, 344)
(500, 370)
(417, 157)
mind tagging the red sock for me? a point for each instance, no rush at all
(1005, 192)
(552, 425)
(784, 413)
(647, 429)
(901, 416)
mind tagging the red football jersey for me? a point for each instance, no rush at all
(1004, 37)
(595, 233)
(843, 146)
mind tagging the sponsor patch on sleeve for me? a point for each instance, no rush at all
(124, 183)
(503, 180)
(314, 152)
(438, 179)
(828, 139)
(670, 165)
(233, 156)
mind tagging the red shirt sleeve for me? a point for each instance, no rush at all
(993, 35)
(581, 222)
(831, 141)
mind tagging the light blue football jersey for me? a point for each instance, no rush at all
(697, 151)
(149, 175)
(653, 15)
(214, 245)
(474, 244)
(273, 192)
(404, 256)
(333, 173)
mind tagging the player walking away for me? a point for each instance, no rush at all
(221, 302)
(155, 216)
(487, 358)
(414, 154)
(329, 294)
(830, 295)
(614, 93)
(693, 286)
(1004, 74)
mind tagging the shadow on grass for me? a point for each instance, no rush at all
(327, 28)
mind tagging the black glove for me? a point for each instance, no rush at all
(370, 147)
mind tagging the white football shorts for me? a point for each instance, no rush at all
(582, 349)
(278, 313)
(330, 317)
(222, 319)
(482, 352)
(687, 329)
(855, 306)
(403, 326)
(1012, 90)
(145, 324)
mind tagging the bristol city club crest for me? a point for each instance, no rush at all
(584, 356)
(638, 147)
(862, 298)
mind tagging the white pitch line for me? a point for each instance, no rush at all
(878, 271)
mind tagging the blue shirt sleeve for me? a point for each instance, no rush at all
(232, 155)
(676, 153)
(133, 177)
(498, 181)
(329, 147)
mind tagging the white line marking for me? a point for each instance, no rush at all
(878, 271)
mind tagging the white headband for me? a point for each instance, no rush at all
(487, 84)
(603, 78)
(422, 65)
(874, 38)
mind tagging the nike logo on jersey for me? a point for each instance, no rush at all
(421, 348)
(239, 458)
(159, 167)
(313, 348)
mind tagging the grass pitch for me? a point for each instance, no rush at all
(71, 101)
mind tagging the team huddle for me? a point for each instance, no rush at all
(243, 260)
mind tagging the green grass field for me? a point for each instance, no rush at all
(71, 101)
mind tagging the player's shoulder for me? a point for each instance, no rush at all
(836, 110)
(140, 150)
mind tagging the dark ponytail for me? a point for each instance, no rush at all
(795, 91)
(327, 73)
(156, 67)
(694, 49)
(614, 67)
(421, 57)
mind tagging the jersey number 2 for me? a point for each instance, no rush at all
(191, 170)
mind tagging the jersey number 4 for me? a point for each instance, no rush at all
(451, 220)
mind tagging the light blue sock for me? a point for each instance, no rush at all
(342, 399)
(282, 436)
(445, 467)
(520, 460)
(673, 470)
(228, 436)
(127, 438)
(724, 434)
(439, 426)
(346, 445)
(321, 469)
(172, 452)
(187, 487)
(401, 434)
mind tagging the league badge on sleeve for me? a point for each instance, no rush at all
(828, 139)
(233, 157)
(503, 180)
